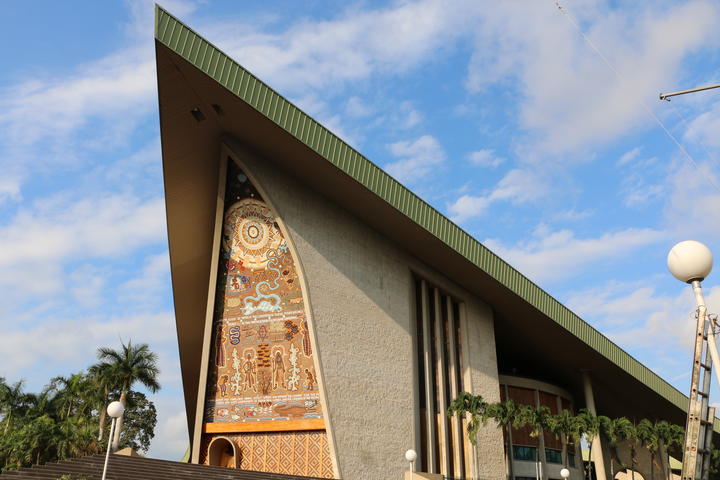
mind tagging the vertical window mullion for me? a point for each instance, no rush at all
(431, 460)
(455, 388)
(440, 384)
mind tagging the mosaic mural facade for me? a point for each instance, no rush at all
(262, 375)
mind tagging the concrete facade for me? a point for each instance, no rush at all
(360, 287)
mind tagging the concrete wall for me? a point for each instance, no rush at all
(360, 288)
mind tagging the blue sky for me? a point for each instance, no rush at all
(496, 113)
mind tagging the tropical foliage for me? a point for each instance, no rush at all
(67, 418)
(655, 437)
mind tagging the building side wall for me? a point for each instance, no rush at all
(360, 292)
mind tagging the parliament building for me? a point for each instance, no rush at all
(326, 315)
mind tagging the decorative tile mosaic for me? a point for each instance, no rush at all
(261, 368)
(293, 453)
(262, 359)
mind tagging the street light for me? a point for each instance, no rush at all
(115, 410)
(411, 456)
(565, 473)
(691, 262)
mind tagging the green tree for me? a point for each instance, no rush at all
(140, 422)
(104, 377)
(615, 431)
(565, 425)
(670, 437)
(647, 437)
(590, 426)
(132, 364)
(13, 402)
(472, 407)
(72, 393)
(505, 415)
(534, 418)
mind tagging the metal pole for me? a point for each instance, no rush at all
(708, 441)
(107, 454)
(692, 430)
(666, 96)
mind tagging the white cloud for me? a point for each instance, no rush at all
(629, 156)
(74, 341)
(571, 99)
(354, 46)
(468, 206)
(637, 316)
(58, 230)
(171, 435)
(417, 158)
(559, 255)
(120, 86)
(572, 215)
(693, 202)
(517, 186)
(485, 158)
(355, 107)
(705, 127)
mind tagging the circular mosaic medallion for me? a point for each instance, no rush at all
(249, 232)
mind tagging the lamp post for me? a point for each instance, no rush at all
(115, 410)
(565, 473)
(411, 456)
(691, 262)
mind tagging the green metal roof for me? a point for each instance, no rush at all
(209, 59)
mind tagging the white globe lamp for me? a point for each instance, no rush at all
(565, 473)
(690, 261)
(411, 456)
(115, 409)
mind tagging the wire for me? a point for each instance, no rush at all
(574, 23)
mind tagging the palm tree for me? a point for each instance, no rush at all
(590, 428)
(506, 415)
(132, 364)
(648, 438)
(535, 419)
(70, 393)
(565, 425)
(475, 409)
(615, 430)
(105, 378)
(665, 434)
(13, 401)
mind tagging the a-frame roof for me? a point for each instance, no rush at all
(397, 212)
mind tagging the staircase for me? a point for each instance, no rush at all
(121, 467)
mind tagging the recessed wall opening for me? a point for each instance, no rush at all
(222, 453)
(439, 354)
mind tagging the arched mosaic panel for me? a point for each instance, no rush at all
(262, 377)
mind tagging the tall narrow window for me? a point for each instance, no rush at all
(439, 354)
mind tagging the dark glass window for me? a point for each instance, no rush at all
(553, 456)
(571, 459)
(525, 453)
(525, 478)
